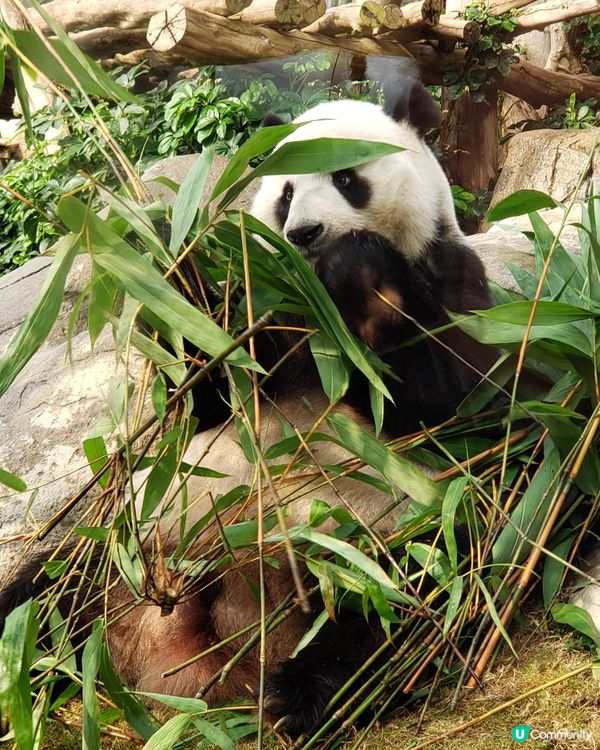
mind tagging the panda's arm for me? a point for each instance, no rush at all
(375, 288)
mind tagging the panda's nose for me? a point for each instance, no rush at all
(304, 235)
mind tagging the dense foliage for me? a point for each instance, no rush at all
(178, 118)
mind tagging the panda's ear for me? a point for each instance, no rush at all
(418, 108)
(271, 119)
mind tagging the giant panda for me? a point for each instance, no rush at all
(384, 241)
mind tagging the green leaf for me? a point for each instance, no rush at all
(454, 598)
(213, 734)
(259, 143)
(454, 494)
(177, 703)
(36, 326)
(348, 552)
(187, 201)
(19, 81)
(432, 560)
(165, 737)
(577, 618)
(494, 612)
(97, 455)
(554, 569)
(159, 395)
(134, 710)
(141, 279)
(333, 371)
(16, 653)
(519, 203)
(307, 638)
(12, 480)
(312, 156)
(101, 296)
(90, 663)
(546, 313)
(397, 470)
(68, 57)
(530, 512)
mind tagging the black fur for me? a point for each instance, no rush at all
(417, 107)
(429, 381)
(355, 189)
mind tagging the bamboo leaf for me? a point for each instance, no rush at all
(12, 480)
(213, 734)
(454, 599)
(260, 142)
(348, 552)
(90, 663)
(141, 279)
(577, 618)
(97, 455)
(529, 514)
(311, 156)
(395, 469)
(187, 201)
(454, 494)
(494, 612)
(177, 703)
(519, 203)
(554, 569)
(546, 313)
(310, 634)
(16, 653)
(134, 710)
(35, 328)
(165, 737)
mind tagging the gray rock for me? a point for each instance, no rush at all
(175, 168)
(551, 161)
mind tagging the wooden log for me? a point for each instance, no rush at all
(554, 11)
(107, 42)
(283, 13)
(393, 17)
(203, 37)
(311, 10)
(358, 19)
(89, 15)
(449, 29)
(423, 12)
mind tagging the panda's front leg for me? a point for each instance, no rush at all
(298, 692)
(376, 288)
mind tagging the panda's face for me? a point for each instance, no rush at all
(403, 196)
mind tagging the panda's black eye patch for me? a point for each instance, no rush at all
(352, 186)
(282, 208)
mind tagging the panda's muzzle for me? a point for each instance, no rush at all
(305, 235)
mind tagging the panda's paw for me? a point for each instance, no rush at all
(296, 698)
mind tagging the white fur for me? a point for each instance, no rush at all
(410, 193)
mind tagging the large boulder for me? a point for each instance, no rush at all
(551, 161)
